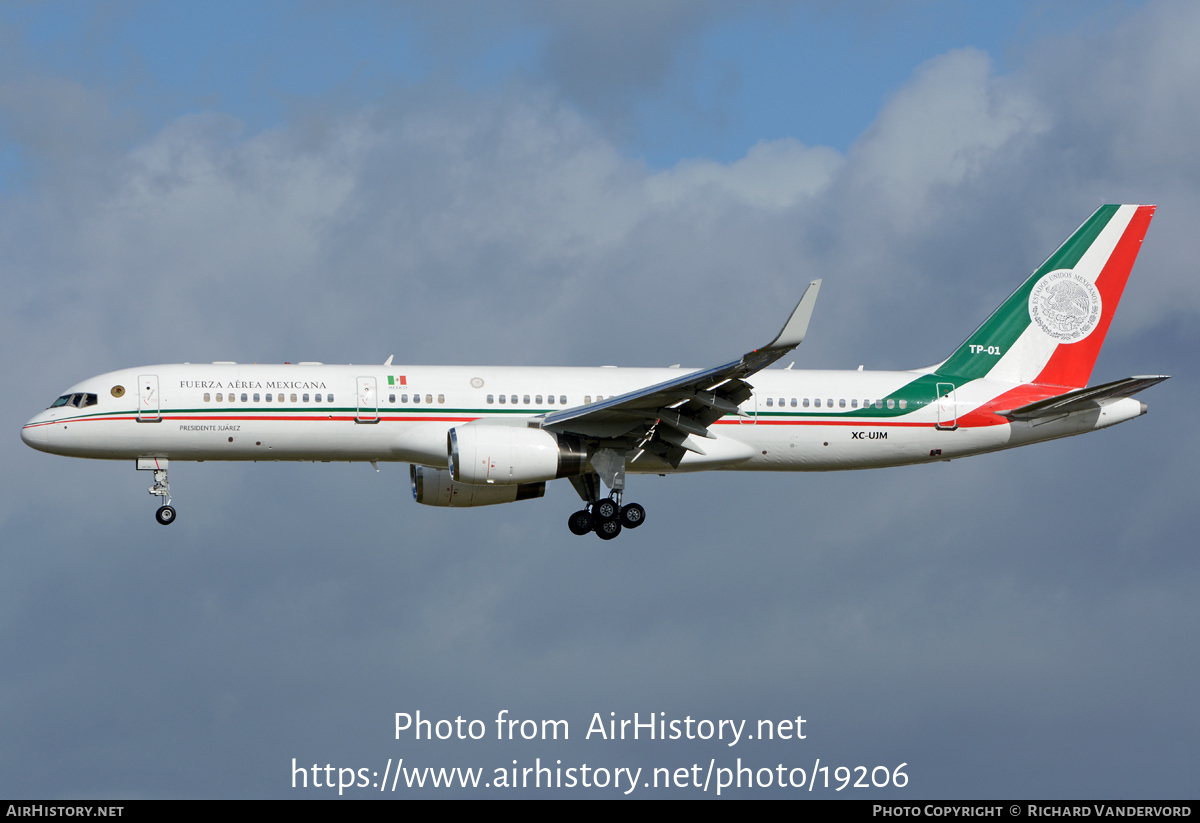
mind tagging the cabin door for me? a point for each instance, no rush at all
(749, 415)
(947, 409)
(149, 409)
(368, 401)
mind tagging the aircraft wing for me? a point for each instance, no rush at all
(666, 418)
(1083, 398)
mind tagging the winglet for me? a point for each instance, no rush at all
(796, 327)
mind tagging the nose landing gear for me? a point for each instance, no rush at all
(161, 488)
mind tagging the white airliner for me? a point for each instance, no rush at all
(476, 436)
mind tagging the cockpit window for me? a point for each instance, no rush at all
(79, 401)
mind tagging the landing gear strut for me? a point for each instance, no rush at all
(161, 488)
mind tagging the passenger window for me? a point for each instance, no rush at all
(562, 399)
(503, 399)
(317, 398)
(490, 399)
(769, 402)
(526, 400)
(429, 398)
(207, 398)
(268, 397)
(538, 399)
(404, 398)
(513, 399)
(329, 398)
(587, 398)
(806, 402)
(854, 403)
(392, 398)
(904, 404)
(841, 403)
(220, 397)
(256, 397)
(891, 403)
(416, 398)
(793, 402)
(441, 398)
(306, 397)
(294, 398)
(817, 402)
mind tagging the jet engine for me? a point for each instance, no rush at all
(507, 455)
(435, 487)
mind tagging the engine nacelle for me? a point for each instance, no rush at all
(435, 487)
(507, 455)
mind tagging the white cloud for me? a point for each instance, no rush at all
(773, 175)
(939, 132)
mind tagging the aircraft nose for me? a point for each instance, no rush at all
(34, 435)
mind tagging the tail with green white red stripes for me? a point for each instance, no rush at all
(1050, 330)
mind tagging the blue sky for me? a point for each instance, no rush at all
(708, 81)
(542, 183)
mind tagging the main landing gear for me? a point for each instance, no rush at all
(606, 517)
(161, 488)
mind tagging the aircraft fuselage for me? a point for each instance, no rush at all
(795, 421)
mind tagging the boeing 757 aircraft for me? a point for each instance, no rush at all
(477, 436)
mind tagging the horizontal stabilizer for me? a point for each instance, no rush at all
(1083, 398)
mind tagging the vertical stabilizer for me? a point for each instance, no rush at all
(1051, 329)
